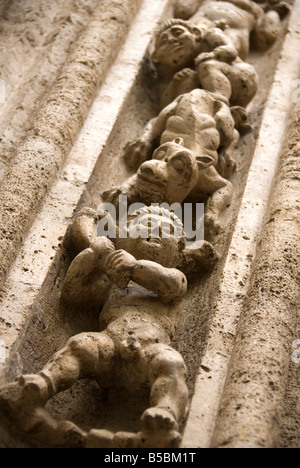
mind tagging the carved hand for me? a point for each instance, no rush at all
(204, 57)
(112, 196)
(184, 74)
(137, 152)
(102, 247)
(119, 267)
(225, 54)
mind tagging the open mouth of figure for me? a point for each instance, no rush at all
(151, 181)
(148, 177)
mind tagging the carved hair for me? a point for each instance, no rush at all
(175, 22)
(163, 213)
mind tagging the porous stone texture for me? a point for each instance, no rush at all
(285, 213)
(36, 38)
(56, 125)
(261, 366)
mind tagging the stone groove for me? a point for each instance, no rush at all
(56, 126)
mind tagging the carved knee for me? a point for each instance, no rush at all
(83, 231)
(267, 30)
(94, 353)
(168, 362)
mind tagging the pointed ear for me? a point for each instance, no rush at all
(204, 162)
(178, 141)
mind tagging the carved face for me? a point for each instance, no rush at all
(177, 47)
(154, 234)
(170, 176)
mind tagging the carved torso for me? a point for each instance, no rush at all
(233, 16)
(194, 122)
(139, 312)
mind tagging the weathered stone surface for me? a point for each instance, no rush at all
(220, 313)
(250, 411)
(57, 124)
(36, 38)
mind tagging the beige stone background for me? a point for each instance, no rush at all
(79, 86)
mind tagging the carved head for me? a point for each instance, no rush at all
(177, 44)
(155, 234)
(171, 175)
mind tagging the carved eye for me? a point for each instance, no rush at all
(177, 32)
(178, 164)
(160, 154)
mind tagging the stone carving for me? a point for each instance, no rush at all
(240, 19)
(212, 61)
(190, 131)
(138, 282)
(142, 306)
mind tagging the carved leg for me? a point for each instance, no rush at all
(213, 79)
(244, 81)
(267, 30)
(220, 195)
(89, 355)
(226, 166)
(169, 394)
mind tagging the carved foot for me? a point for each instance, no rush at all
(212, 225)
(22, 413)
(157, 419)
(226, 166)
(19, 400)
(159, 429)
(240, 118)
(160, 439)
(35, 389)
(137, 152)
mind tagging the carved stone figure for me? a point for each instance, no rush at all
(184, 9)
(189, 131)
(240, 19)
(179, 44)
(132, 350)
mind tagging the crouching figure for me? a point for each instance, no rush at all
(132, 350)
(194, 140)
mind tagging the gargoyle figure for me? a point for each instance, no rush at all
(213, 63)
(190, 132)
(241, 21)
(133, 348)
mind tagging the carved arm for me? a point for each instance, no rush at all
(168, 283)
(139, 151)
